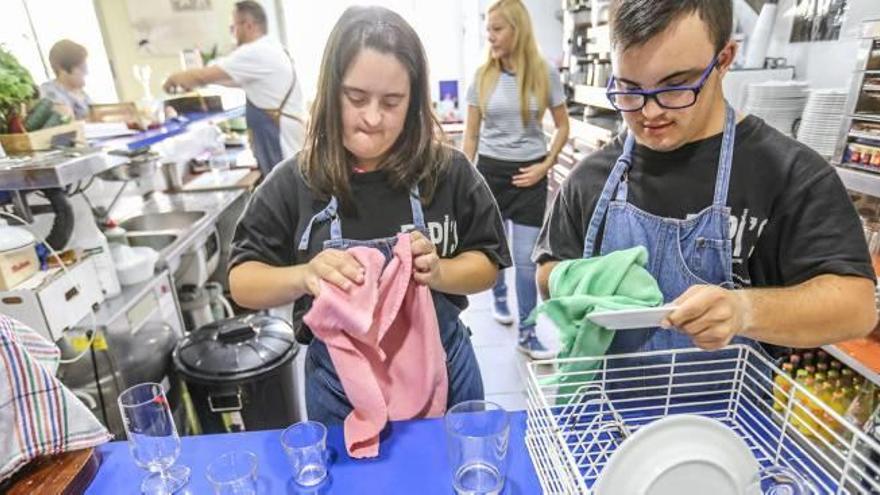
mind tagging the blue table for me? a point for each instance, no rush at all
(412, 460)
(172, 128)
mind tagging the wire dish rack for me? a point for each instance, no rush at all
(580, 410)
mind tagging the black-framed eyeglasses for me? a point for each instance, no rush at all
(670, 98)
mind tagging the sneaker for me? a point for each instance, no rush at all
(501, 312)
(532, 347)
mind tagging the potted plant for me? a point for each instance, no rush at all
(16, 90)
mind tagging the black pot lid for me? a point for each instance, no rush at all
(229, 348)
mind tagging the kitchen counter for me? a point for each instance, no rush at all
(154, 136)
(413, 460)
(214, 204)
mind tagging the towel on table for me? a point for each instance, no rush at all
(616, 281)
(384, 341)
(40, 416)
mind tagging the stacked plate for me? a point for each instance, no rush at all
(779, 103)
(822, 120)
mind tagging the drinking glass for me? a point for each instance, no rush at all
(780, 480)
(152, 437)
(305, 445)
(234, 473)
(477, 434)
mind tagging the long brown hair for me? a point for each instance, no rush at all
(531, 69)
(418, 156)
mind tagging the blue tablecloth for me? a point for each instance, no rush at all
(413, 460)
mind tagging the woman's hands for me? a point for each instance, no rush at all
(335, 267)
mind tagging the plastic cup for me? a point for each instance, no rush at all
(305, 444)
(234, 473)
(477, 434)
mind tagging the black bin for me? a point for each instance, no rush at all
(240, 373)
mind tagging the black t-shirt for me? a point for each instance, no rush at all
(791, 217)
(462, 216)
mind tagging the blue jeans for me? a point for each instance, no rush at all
(522, 239)
(325, 397)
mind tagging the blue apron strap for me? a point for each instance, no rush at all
(612, 184)
(328, 213)
(415, 204)
(264, 136)
(725, 159)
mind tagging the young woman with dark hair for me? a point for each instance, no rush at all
(373, 166)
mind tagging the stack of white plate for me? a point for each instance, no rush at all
(779, 103)
(822, 120)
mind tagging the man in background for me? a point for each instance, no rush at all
(263, 68)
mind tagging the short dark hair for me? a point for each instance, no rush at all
(634, 22)
(253, 10)
(65, 55)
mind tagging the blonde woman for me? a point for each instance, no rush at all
(504, 136)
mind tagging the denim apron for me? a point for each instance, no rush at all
(682, 253)
(325, 398)
(265, 137)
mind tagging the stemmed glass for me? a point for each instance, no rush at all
(152, 438)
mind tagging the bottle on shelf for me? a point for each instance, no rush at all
(811, 369)
(795, 360)
(822, 357)
(833, 375)
(836, 365)
(803, 405)
(809, 358)
(822, 367)
(838, 404)
(782, 386)
(862, 406)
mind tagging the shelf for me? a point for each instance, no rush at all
(871, 87)
(864, 135)
(867, 117)
(862, 355)
(594, 129)
(593, 96)
(859, 180)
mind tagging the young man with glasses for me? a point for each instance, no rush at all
(751, 234)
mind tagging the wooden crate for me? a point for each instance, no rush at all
(44, 139)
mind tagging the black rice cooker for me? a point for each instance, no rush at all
(240, 373)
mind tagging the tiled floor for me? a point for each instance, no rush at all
(502, 365)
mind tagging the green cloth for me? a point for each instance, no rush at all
(580, 287)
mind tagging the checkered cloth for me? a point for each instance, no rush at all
(38, 414)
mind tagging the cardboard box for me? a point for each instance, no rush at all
(17, 265)
(51, 302)
(44, 139)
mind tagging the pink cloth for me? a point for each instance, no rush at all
(384, 341)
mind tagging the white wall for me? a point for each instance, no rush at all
(825, 64)
(546, 22)
(453, 34)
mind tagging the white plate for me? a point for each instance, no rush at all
(680, 455)
(628, 319)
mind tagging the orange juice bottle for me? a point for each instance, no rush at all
(839, 404)
(826, 394)
(782, 387)
(802, 419)
(833, 376)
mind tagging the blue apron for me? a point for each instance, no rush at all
(682, 253)
(325, 398)
(265, 137)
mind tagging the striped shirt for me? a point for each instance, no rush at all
(503, 135)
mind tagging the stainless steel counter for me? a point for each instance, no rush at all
(213, 204)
